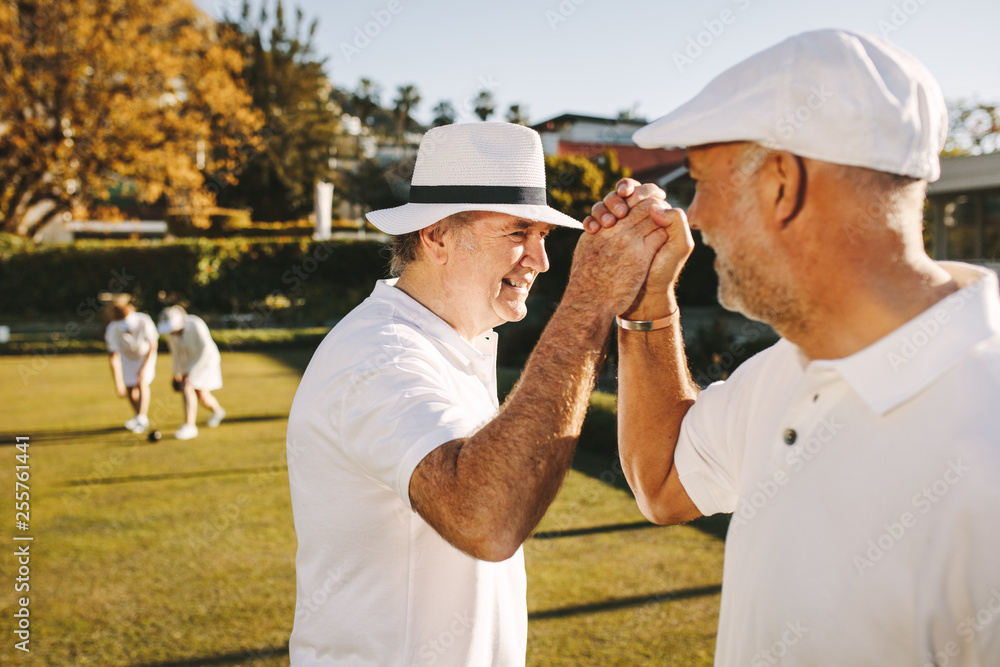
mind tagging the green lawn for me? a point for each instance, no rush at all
(182, 553)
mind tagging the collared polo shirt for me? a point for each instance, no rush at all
(376, 585)
(133, 338)
(865, 494)
(196, 355)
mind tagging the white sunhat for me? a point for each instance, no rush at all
(830, 95)
(495, 167)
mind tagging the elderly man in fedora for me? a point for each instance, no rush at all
(860, 455)
(412, 489)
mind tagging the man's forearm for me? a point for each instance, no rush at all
(541, 420)
(497, 483)
(655, 391)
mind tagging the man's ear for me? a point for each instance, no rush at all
(783, 187)
(432, 239)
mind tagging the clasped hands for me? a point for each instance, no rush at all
(648, 267)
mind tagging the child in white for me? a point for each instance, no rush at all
(197, 366)
(132, 341)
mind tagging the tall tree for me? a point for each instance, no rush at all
(515, 114)
(288, 85)
(366, 100)
(444, 114)
(127, 90)
(407, 97)
(485, 104)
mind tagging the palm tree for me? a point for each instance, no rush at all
(484, 104)
(407, 97)
(516, 115)
(444, 114)
(366, 99)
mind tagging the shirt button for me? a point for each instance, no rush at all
(790, 436)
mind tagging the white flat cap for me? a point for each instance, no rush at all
(832, 95)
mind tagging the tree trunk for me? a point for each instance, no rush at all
(57, 210)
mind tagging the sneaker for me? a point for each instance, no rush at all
(216, 418)
(186, 432)
(138, 424)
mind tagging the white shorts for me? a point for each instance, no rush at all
(130, 370)
(206, 374)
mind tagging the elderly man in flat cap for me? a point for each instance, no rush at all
(412, 489)
(860, 455)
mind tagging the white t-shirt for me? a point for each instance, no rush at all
(376, 585)
(132, 339)
(196, 355)
(865, 494)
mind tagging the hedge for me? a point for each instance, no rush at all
(263, 282)
(251, 283)
(228, 340)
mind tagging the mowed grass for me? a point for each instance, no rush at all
(146, 553)
(182, 553)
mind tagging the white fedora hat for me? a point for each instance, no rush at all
(495, 167)
(831, 95)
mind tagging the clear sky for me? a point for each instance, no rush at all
(600, 56)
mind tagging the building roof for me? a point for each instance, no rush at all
(966, 173)
(556, 122)
(590, 136)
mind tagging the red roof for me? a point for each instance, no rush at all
(635, 158)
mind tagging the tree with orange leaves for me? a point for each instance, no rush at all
(98, 92)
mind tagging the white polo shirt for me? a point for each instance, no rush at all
(132, 338)
(865, 494)
(196, 355)
(376, 585)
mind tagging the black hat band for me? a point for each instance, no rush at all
(476, 194)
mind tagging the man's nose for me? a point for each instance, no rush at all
(535, 256)
(692, 214)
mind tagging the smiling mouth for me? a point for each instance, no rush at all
(521, 285)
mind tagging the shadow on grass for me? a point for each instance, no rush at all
(564, 612)
(608, 471)
(576, 532)
(625, 603)
(236, 658)
(62, 435)
(56, 434)
(255, 418)
(194, 474)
